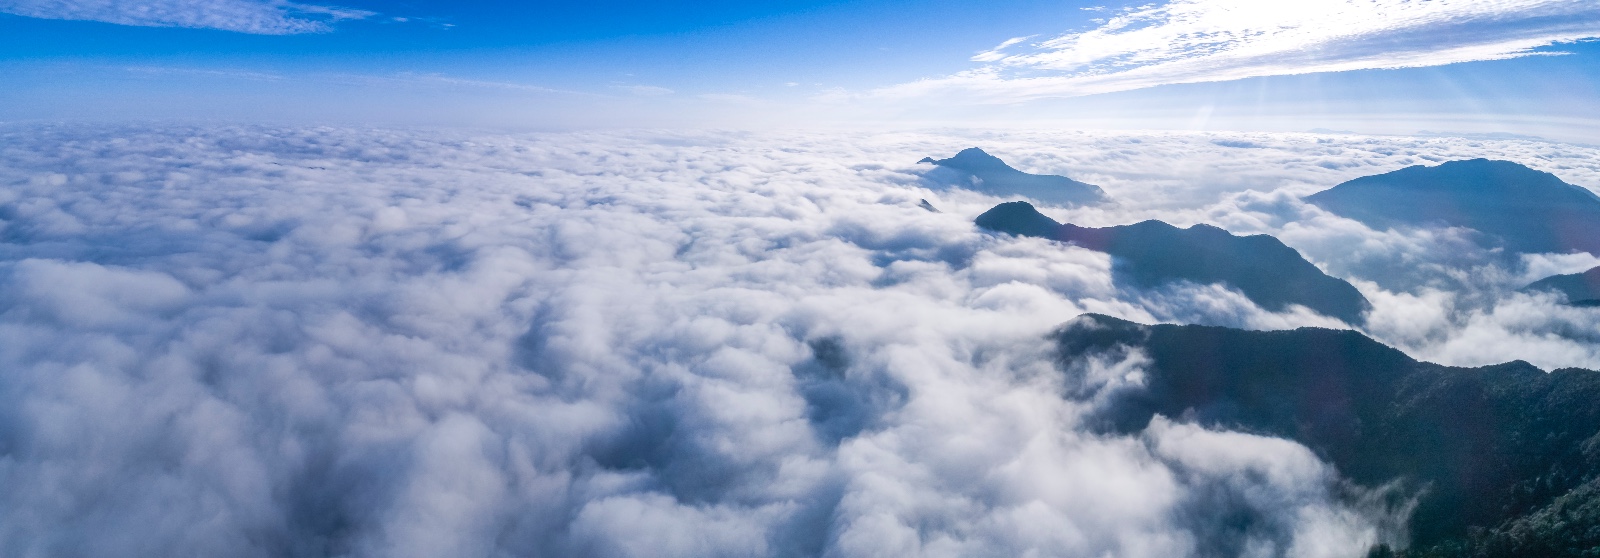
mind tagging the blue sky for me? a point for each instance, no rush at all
(1369, 65)
(589, 46)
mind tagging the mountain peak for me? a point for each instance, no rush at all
(1479, 175)
(1524, 209)
(976, 169)
(977, 161)
(975, 154)
(1019, 218)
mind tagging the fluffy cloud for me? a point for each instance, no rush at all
(263, 17)
(244, 341)
(1188, 41)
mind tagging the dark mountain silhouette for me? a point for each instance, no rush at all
(974, 169)
(1153, 253)
(1582, 289)
(1506, 457)
(1519, 208)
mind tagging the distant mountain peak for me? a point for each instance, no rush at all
(973, 159)
(976, 155)
(1482, 174)
(975, 169)
(1524, 209)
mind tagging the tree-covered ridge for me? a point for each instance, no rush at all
(1504, 458)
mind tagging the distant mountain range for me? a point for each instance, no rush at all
(1506, 458)
(1581, 289)
(976, 170)
(1153, 253)
(1518, 208)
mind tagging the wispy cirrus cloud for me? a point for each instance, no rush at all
(1190, 41)
(261, 17)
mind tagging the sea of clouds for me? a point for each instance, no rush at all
(242, 341)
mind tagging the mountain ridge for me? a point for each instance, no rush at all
(1152, 253)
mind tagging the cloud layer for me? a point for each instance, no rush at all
(1189, 41)
(304, 342)
(263, 17)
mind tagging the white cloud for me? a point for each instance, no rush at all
(264, 17)
(311, 342)
(1189, 41)
(996, 54)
